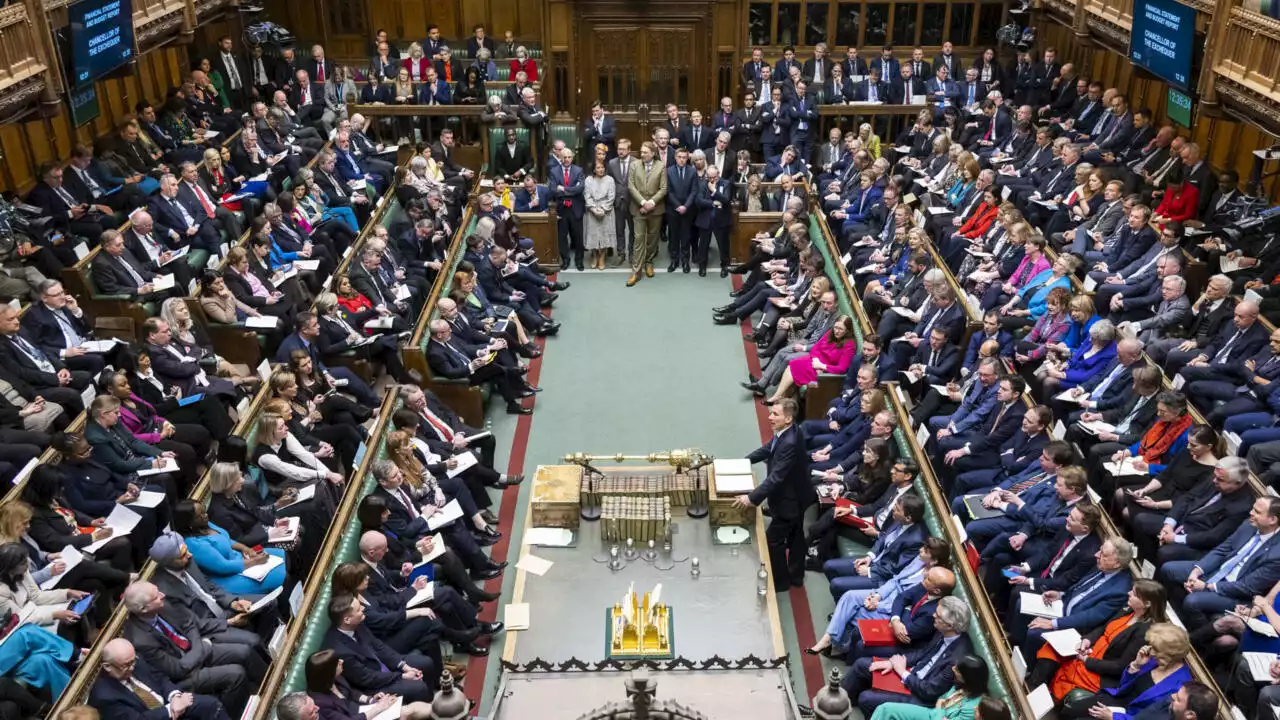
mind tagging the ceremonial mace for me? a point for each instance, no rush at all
(683, 460)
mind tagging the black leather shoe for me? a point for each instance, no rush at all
(488, 573)
(685, 267)
(474, 650)
(492, 628)
(672, 267)
(722, 309)
(483, 540)
(725, 320)
(549, 300)
(488, 517)
(509, 481)
(582, 268)
(702, 272)
(558, 286)
(483, 596)
(736, 293)
(724, 272)
(752, 379)
(517, 409)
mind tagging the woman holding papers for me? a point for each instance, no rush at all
(18, 590)
(1158, 670)
(1049, 329)
(958, 703)
(90, 575)
(54, 526)
(405, 555)
(335, 699)
(227, 563)
(437, 481)
(1166, 437)
(192, 338)
(1187, 469)
(190, 444)
(90, 488)
(1088, 360)
(314, 387)
(224, 182)
(237, 508)
(119, 450)
(1103, 653)
(286, 463)
(309, 423)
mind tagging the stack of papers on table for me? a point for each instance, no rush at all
(734, 476)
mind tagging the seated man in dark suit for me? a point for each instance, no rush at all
(446, 433)
(895, 546)
(788, 163)
(982, 445)
(1242, 567)
(154, 247)
(199, 199)
(307, 338)
(910, 614)
(1199, 520)
(79, 215)
(1242, 338)
(450, 357)
(1055, 564)
(42, 371)
(129, 688)
(1086, 605)
(369, 665)
(182, 648)
(59, 327)
(187, 220)
(86, 177)
(182, 582)
(945, 313)
(926, 673)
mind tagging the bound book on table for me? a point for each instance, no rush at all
(852, 520)
(888, 682)
(876, 633)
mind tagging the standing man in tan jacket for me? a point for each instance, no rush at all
(648, 189)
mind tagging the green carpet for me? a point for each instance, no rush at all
(635, 370)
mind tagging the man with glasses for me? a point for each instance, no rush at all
(130, 689)
(59, 327)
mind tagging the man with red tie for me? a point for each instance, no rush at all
(195, 194)
(1054, 563)
(184, 215)
(566, 184)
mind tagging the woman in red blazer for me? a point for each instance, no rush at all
(1181, 200)
(523, 63)
(416, 63)
(980, 221)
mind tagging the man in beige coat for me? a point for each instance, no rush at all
(648, 188)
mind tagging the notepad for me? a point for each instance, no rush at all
(265, 600)
(382, 323)
(912, 315)
(122, 521)
(1260, 665)
(70, 557)
(978, 511)
(162, 282)
(534, 564)
(304, 494)
(1228, 265)
(266, 322)
(1097, 427)
(1124, 467)
(516, 616)
(167, 465)
(1261, 628)
(424, 595)
(148, 499)
(286, 533)
(445, 515)
(1041, 701)
(258, 572)
(1064, 642)
(311, 265)
(1034, 604)
(465, 461)
(1071, 396)
(1090, 284)
(99, 346)
(179, 253)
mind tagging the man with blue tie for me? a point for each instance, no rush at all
(975, 405)
(682, 191)
(1244, 566)
(1087, 604)
(926, 673)
(944, 314)
(895, 548)
(1241, 339)
(1014, 455)
(713, 220)
(804, 116)
(1242, 386)
(999, 426)
(787, 488)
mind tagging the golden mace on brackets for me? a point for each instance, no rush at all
(683, 460)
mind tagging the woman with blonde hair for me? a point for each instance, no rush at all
(869, 140)
(287, 463)
(403, 92)
(1157, 672)
(328, 440)
(429, 481)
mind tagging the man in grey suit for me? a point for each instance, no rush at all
(819, 323)
(619, 168)
(182, 583)
(174, 642)
(1173, 311)
(1098, 225)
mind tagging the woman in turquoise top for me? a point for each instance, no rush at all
(222, 559)
(959, 703)
(965, 180)
(1029, 304)
(1083, 316)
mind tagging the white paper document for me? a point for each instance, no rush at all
(162, 282)
(912, 315)
(266, 600)
(1097, 427)
(304, 494)
(1259, 665)
(1064, 642)
(122, 521)
(1071, 396)
(437, 549)
(167, 465)
(735, 484)
(288, 532)
(445, 515)
(534, 564)
(311, 265)
(548, 537)
(382, 323)
(938, 210)
(1228, 265)
(70, 557)
(265, 322)
(1041, 701)
(1124, 467)
(516, 616)
(258, 572)
(1090, 284)
(1034, 604)
(99, 346)
(403, 292)
(423, 596)
(148, 499)
(465, 461)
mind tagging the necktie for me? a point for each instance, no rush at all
(66, 196)
(73, 338)
(933, 358)
(306, 95)
(204, 200)
(182, 210)
(923, 670)
(148, 698)
(1020, 487)
(320, 72)
(1053, 564)
(408, 503)
(89, 182)
(1230, 570)
(971, 92)
(871, 88)
(174, 637)
(200, 593)
(1123, 427)
(990, 127)
(233, 74)
(802, 125)
(444, 430)
(1225, 352)
(697, 134)
(1087, 588)
(999, 415)
(918, 604)
(37, 356)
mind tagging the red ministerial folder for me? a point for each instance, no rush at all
(852, 520)
(888, 682)
(876, 633)
(971, 554)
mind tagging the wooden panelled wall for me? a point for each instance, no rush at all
(1228, 142)
(26, 145)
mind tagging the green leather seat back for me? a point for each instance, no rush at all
(567, 132)
(504, 73)
(498, 136)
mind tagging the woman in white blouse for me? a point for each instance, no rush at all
(286, 463)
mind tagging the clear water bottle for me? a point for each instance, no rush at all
(762, 581)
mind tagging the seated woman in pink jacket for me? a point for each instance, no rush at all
(831, 354)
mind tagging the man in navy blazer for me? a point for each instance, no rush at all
(681, 210)
(944, 313)
(1087, 604)
(914, 609)
(118, 692)
(788, 163)
(1200, 519)
(169, 210)
(600, 129)
(566, 186)
(992, 465)
(976, 403)
(936, 360)
(886, 64)
(787, 488)
(714, 213)
(927, 672)
(307, 333)
(370, 665)
(896, 546)
(1246, 565)
(58, 326)
(527, 193)
(982, 444)
(870, 88)
(1056, 564)
(803, 114)
(1242, 338)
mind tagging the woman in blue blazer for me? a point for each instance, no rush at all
(1151, 679)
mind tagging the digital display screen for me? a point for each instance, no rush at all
(101, 38)
(1179, 108)
(1163, 39)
